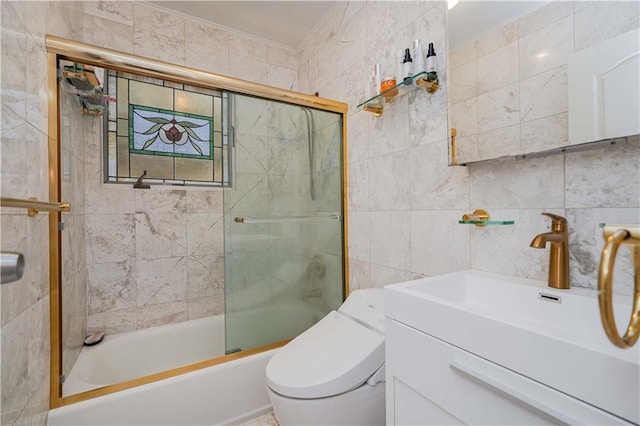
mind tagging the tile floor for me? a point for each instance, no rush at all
(264, 420)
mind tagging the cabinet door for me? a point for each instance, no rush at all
(604, 90)
(412, 408)
(439, 383)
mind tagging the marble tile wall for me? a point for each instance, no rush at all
(404, 201)
(23, 172)
(508, 88)
(156, 256)
(401, 192)
(155, 259)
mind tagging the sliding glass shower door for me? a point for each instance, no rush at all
(284, 266)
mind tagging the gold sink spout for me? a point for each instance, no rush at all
(559, 251)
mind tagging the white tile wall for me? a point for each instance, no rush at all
(399, 183)
(587, 188)
(24, 166)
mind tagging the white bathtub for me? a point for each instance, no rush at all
(225, 393)
(127, 356)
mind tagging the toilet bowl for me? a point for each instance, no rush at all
(333, 373)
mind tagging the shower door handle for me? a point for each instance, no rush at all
(276, 219)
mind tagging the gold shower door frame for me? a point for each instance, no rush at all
(63, 49)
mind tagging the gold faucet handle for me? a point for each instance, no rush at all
(558, 223)
(633, 232)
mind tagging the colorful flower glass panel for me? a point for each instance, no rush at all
(160, 132)
(172, 131)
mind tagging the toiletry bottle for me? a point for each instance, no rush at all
(407, 66)
(418, 57)
(400, 64)
(370, 90)
(387, 86)
(431, 64)
(377, 78)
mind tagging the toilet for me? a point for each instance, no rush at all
(333, 373)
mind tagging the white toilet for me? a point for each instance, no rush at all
(333, 373)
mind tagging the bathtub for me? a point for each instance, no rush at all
(224, 393)
(127, 356)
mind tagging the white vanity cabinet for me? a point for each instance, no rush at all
(477, 348)
(430, 382)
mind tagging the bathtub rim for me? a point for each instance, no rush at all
(117, 387)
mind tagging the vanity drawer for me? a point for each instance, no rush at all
(455, 384)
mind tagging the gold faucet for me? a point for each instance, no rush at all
(559, 252)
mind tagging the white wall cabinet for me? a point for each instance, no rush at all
(604, 90)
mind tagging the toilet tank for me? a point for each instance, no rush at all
(366, 306)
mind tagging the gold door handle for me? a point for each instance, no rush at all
(614, 236)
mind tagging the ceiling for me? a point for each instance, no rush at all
(290, 22)
(284, 22)
(468, 19)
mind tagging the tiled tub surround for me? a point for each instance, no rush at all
(508, 88)
(156, 256)
(405, 202)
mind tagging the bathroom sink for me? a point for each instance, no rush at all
(552, 336)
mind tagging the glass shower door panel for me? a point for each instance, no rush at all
(75, 130)
(284, 266)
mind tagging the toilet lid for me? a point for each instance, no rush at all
(334, 356)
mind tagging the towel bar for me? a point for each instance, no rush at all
(615, 235)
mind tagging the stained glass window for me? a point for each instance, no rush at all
(173, 131)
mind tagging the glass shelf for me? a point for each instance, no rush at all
(486, 222)
(480, 217)
(375, 104)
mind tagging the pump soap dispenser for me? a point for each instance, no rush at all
(407, 66)
(430, 82)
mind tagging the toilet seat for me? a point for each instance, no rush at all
(334, 356)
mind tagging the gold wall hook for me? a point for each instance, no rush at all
(430, 85)
(478, 215)
(615, 235)
(375, 109)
